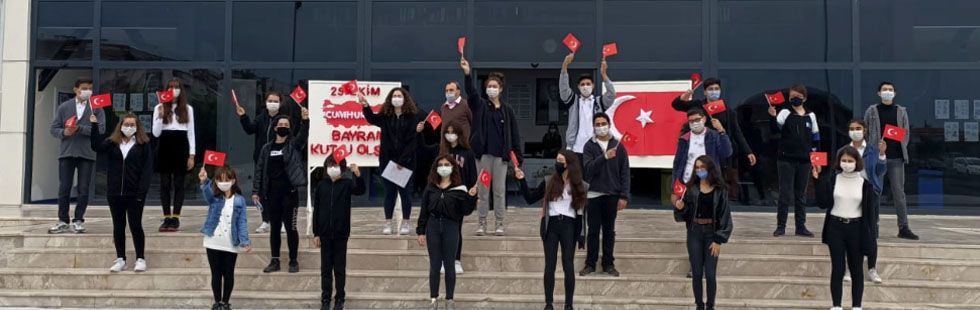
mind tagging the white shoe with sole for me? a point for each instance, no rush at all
(847, 276)
(264, 228)
(118, 266)
(404, 229)
(873, 276)
(459, 267)
(387, 230)
(140, 265)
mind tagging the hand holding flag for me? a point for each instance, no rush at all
(101, 101)
(298, 95)
(340, 153)
(434, 119)
(679, 189)
(609, 50)
(715, 107)
(818, 158)
(776, 98)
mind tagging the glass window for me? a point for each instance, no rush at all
(428, 87)
(784, 31)
(417, 31)
(650, 26)
(326, 31)
(263, 31)
(63, 36)
(163, 31)
(920, 30)
(541, 26)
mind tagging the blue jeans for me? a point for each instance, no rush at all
(699, 238)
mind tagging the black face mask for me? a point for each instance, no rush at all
(796, 101)
(559, 168)
(282, 131)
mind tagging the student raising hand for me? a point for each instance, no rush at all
(203, 175)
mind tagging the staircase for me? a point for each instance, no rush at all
(391, 272)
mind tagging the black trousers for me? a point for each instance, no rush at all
(793, 178)
(282, 204)
(703, 265)
(222, 272)
(561, 232)
(442, 238)
(333, 267)
(392, 191)
(66, 176)
(459, 246)
(601, 218)
(123, 208)
(172, 183)
(844, 241)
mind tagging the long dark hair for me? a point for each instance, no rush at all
(556, 185)
(462, 137)
(454, 179)
(118, 137)
(228, 173)
(714, 174)
(181, 102)
(408, 107)
(852, 152)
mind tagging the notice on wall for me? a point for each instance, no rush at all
(952, 131)
(942, 108)
(152, 100)
(147, 121)
(976, 109)
(962, 108)
(971, 132)
(136, 102)
(119, 101)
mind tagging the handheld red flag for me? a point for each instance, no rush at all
(628, 139)
(214, 158)
(513, 159)
(434, 119)
(609, 50)
(71, 122)
(166, 95)
(894, 132)
(715, 107)
(572, 43)
(485, 178)
(350, 88)
(776, 98)
(101, 101)
(298, 94)
(340, 153)
(234, 98)
(460, 44)
(818, 158)
(679, 188)
(695, 80)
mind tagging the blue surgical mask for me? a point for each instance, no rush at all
(796, 101)
(702, 174)
(714, 95)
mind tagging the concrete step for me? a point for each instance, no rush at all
(509, 261)
(416, 282)
(243, 299)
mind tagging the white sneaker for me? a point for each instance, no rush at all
(856, 308)
(282, 229)
(387, 230)
(58, 228)
(264, 228)
(442, 270)
(140, 265)
(78, 227)
(118, 266)
(836, 308)
(481, 230)
(500, 229)
(847, 276)
(459, 267)
(873, 275)
(404, 230)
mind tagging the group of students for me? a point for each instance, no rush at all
(580, 201)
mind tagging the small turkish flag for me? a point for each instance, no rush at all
(166, 95)
(298, 94)
(484, 177)
(695, 80)
(818, 158)
(628, 139)
(679, 188)
(460, 44)
(434, 119)
(214, 158)
(350, 88)
(894, 132)
(572, 42)
(71, 122)
(513, 159)
(234, 98)
(609, 50)
(339, 153)
(715, 107)
(101, 101)
(776, 98)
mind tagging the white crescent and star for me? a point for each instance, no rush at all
(211, 157)
(644, 117)
(891, 132)
(98, 101)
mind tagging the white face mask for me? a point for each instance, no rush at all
(333, 171)
(493, 92)
(85, 94)
(856, 135)
(697, 127)
(176, 92)
(602, 131)
(397, 101)
(848, 167)
(887, 96)
(225, 186)
(451, 137)
(272, 106)
(450, 96)
(444, 171)
(585, 90)
(128, 130)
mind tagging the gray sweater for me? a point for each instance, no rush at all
(77, 145)
(873, 120)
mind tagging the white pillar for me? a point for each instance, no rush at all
(15, 33)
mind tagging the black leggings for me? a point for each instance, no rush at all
(441, 238)
(844, 241)
(282, 208)
(122, 208)
(222, 268)
(333, 265)
(459, 246)
(703, 265)
(172, 183)
(561, 231)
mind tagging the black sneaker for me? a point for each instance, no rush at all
(549, 307)
(802, 231)
(710, 307)
(611, 270)
(216, 306)
(293, 267)
(781, 231)
(700, 307)
(165, 226)
(175, 224)
(226, 307)
(906, 233)
(569, 307)
(273, 266)
(325, 304)
(586, 270)
(339, 305)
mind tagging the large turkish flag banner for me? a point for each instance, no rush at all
(643, 109)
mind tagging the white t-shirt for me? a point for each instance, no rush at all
(848, 194)
(695, 149)
(126, 146)
(562, 206)
(221, 239)
(585, 131)
(159, 126)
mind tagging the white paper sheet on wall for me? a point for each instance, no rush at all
(942, 108)
(136, 102)
(971, 132)
(976, 109)
(962, 108)
(119, 101)
(952, 131)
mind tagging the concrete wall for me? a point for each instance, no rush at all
(13, 97)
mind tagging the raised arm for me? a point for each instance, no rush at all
(98, 141)
(608, 91)
(564, 90)
(87, 130)
(248, 126)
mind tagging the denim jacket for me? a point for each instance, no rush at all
(239, 224)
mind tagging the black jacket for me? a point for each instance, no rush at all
(331, 205)
(728, 119)
(464, 158)
(722, 215)
(292, 155)
(451, 203)
(869, 211)
(609, 176)
(398, 137)
(532, 195)
(125, 177)
(262, 128)
(480, 108)
(799, 135)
